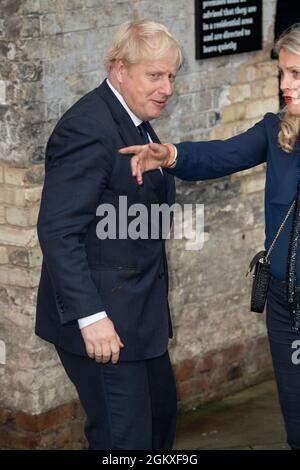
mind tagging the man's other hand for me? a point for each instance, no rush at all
(102, 341)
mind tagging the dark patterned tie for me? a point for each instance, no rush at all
(142, 128)
(292, 297)
(155, 176)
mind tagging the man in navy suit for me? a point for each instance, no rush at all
(103, 300)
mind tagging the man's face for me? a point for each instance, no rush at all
(146, 87)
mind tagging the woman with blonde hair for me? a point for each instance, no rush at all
(274, 140)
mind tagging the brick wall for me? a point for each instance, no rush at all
(51, 53)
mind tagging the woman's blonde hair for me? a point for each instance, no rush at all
(141, 40)
(290, 125)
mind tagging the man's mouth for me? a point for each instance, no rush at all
(160, 103)
(288, 99)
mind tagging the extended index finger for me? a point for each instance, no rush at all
(133, 149)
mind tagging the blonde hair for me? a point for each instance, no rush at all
(290, 124)
(141, 40)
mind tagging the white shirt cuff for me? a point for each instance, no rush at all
(85, 321)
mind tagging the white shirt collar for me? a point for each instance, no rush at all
(137, 121)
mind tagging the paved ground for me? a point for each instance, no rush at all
(248, 420)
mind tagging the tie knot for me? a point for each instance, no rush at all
(143, 132)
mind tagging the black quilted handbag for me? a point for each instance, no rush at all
(261, 278)
(261, 274)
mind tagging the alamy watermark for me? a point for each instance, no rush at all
(296, 354)
(153, 221)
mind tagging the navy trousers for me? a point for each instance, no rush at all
(284, 344)
(129, 405)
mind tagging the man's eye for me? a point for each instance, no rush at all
(296, 73)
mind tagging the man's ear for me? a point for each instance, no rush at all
(119, 70)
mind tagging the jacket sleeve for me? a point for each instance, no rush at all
(78, 166)
(216, 158)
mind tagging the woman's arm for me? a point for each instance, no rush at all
(216, 158)
(202, 160)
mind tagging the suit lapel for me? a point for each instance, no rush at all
(127, 130)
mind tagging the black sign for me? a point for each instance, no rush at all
(227, 27)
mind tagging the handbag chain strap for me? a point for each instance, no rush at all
(280, 230)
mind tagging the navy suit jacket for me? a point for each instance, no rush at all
(213, 159)
(81, 274)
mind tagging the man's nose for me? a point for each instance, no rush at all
(167, 87)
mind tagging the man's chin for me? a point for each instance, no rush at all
(152, 116)
(156, 112)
